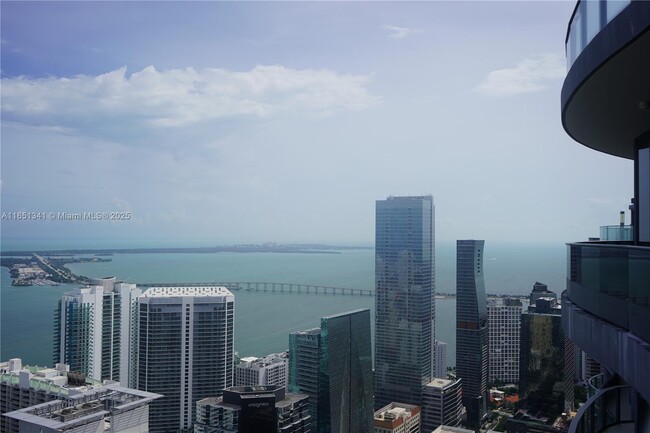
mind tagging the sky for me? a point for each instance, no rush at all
(252, 122)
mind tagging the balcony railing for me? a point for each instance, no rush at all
(607, 408)
(612, 281)
(589, 18)
(616, 233)
(595, 384)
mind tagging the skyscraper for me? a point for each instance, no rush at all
(606, 305)
(442, 404)
(471, 328)
(304, 368)
(504, 325)
(92, 331)
(335, 364)
(541, 373)
(185, 349)
(441, 360)
(404, 303)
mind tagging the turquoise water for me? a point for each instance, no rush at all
(264, 320)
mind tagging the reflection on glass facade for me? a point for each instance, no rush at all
(304, 368)
(541, 380)
(185, 350)
(471, 328)
(404, 305)
(333, 366)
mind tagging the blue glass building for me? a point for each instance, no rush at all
(404, 303)
(333, 366)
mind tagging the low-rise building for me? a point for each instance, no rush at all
(397, 418)
(272, 369)
(253, 409)
(25, 386)
(54, 399)
(450, 429)
(109, 409)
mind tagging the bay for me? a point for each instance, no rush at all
(264, 320)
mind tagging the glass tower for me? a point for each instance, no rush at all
(404, 303)
(333, 365)
(471, 328)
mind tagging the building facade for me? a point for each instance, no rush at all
(304, 368)
(272, 369)
(606, 305)
(404, 298)
(253, 409)
(504, 328)
(471, 328)
(185, 350)
(441, 360)
(443, 404)
(542, 366)
(93, 332)
(110, 409)
(49, 399)
(397, 418)
(335, 364)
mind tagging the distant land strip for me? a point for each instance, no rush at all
(264, 248)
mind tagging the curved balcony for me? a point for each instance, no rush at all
(605, 94)
(612, 282)
(610, 409)
(595, 384)
(589, 18)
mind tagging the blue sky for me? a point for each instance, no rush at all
(226, 122)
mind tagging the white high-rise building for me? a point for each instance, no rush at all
(504, 324)
(185, 350)
(92, 331)
(272, 369)
(440, 370)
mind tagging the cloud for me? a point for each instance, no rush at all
(179, 97)
(401, 32)
(530, 75)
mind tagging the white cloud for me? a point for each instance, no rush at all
(401, 32)
(179, 97)
(530, 75)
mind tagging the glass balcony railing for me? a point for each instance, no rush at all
(607, 408)
(589, 18)
(616, 233)
(595, 384)
(612, 282)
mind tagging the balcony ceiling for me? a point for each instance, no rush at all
(604, 111)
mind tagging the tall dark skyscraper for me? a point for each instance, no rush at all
(471, 328)
(333, 366)
(404, 304)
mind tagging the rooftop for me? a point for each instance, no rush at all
(163, 292)
(440, 383)
(83, 409)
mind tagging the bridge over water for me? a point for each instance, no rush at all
(257, 286)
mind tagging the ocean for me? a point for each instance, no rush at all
(264, 320)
